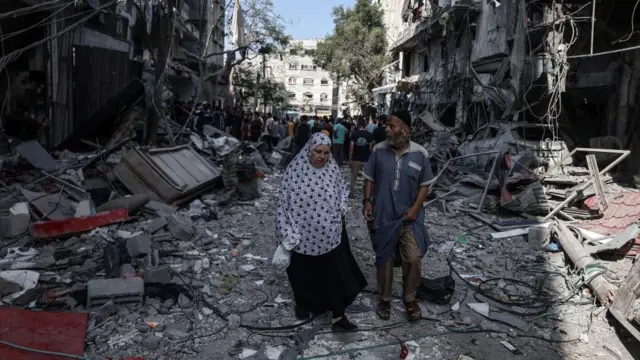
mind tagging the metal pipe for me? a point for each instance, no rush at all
(486, 188)
(593, 24)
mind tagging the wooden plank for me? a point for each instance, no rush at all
(629, 291)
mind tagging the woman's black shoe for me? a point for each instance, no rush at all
(301, 313)
(344, 325)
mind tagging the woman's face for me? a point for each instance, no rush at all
(320, 156)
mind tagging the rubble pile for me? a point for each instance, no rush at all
(164, 253)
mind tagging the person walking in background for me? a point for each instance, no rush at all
(359, 151)
(256, 127)
(313, 199)
(372, 126)
(291, 126)
(302, 135)
(347, 139)
(283, 131)
(339, 134)
(398, 176)
(380, 133)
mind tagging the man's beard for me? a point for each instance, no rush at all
(397, 140)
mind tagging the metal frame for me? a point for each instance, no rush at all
(574, 194)
(486, 187)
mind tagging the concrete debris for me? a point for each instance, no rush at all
(175, 265)
(100, 292)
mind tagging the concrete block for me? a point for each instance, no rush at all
(181, 227)
(131, 203)
(159, 275)
(139, 246)
(14, 225)
(157, 224)
(121, 291)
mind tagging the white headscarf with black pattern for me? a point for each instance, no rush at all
(311, 202)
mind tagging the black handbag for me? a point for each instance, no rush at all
(439, 290)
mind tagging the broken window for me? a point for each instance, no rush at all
(324, 97)
(494, 131)
(406, 64)
(307, 96)
(324, 82)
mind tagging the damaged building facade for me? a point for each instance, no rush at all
(86, 61)
(561, 75)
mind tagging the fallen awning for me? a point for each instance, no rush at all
(172, 175)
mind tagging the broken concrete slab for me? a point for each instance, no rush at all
(157, 224)
(159, 275)
(37, 156)
(138, 246)
(14, 225)
(132, 203)
(102, 291)
(180, 227)
(177, 331)
(160, 208)
(51, 206)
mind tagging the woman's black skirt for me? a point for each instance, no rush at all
(328, 282)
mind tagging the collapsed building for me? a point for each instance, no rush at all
(71, 69)
(561, 73)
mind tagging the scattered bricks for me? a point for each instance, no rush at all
(131, 203)
(181, 227)
(127, 271)
(157, 224)
(159, 275)
(100, 292)
(139, 246)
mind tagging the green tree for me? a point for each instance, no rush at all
(248, 87)
(356, 50)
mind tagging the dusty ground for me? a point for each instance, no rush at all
(260, 296)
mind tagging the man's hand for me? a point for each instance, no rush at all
(367, 211)
(412, 214)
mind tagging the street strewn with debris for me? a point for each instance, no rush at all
(128, 269)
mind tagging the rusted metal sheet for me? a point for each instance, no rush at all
(75, 226)
(172, 175)
(41, 330)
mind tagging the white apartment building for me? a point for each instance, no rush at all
(310, 87)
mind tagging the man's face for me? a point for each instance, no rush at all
(397, 131)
